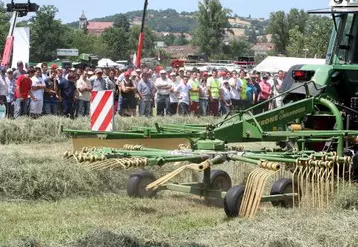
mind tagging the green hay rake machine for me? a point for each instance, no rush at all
(315, 131)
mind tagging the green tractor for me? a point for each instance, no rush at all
(316, 130)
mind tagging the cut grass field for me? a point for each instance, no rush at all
(48, 201)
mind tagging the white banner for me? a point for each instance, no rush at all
(21, 50)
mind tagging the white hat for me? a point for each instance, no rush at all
(162, 71)
(181, 69)
(9, 70)
(172, 73)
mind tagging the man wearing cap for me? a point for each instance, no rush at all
(98, 83)
(146, 90)
(20, 70)
(22, 92)
(235, 95)
(214, 92)
(163, 87)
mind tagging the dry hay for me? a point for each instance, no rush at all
(46, 129)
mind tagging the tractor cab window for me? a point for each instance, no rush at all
(346, 36)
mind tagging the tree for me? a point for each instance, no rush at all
(252, 36)
(116, 41)
(280, 25)
(148, 46)
(84, 42)
(314, 39)
(122, 21)
(169, 39)
(47, 34)
(212, 27)
(181, 40)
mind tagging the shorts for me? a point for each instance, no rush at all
(36, 106)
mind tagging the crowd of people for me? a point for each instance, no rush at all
(44, 90)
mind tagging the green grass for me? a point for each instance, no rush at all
(46, 129)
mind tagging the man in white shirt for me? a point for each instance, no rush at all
(163, 86)
(173, 96)
(235, 94)
(37, 89)
(184, 98)
(276, 85)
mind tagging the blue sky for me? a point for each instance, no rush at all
(70, 10)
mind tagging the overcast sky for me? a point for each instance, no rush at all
(70, 10)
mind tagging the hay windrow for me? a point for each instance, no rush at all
(46, 129)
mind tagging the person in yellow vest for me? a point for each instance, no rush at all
(194, 93)
(241, 87)
(214, 85)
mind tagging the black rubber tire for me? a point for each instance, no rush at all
(219, 180)
(283, 186)
(137, 183)
(233, 199)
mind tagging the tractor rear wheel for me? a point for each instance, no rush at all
(219, 180)
(233, 200)
(284, 186)
(138, 182)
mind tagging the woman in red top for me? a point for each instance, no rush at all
(22, 91)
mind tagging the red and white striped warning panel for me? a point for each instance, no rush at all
(102, 110)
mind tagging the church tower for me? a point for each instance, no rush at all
(83, 21)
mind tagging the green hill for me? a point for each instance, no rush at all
(168, 20)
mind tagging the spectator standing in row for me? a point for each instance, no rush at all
(4, 87)
(194, 93)
(10, 80)
(37, 89)
(84, 89)
(184, 97)
(235, 94)
(225, 96)
(128, 92)
(22, 93)
(173, 96)
(163, 87)
(214, 92)
(51, 94)
(68, 95)
(265, 91)
(146, 90)
(203, 95)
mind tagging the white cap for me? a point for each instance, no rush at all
(172, 73)
(162, 71)
(9, 70)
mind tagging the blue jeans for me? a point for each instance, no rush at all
(21, 107)
(51, 108)
(83, 108)
(163, 105)
(145, 108)
(203, 103)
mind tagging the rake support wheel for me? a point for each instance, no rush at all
(233, 200)
(283, 186)
(219, 180)
(137, 183)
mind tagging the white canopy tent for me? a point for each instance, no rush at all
(273, 64)
(108, 63)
